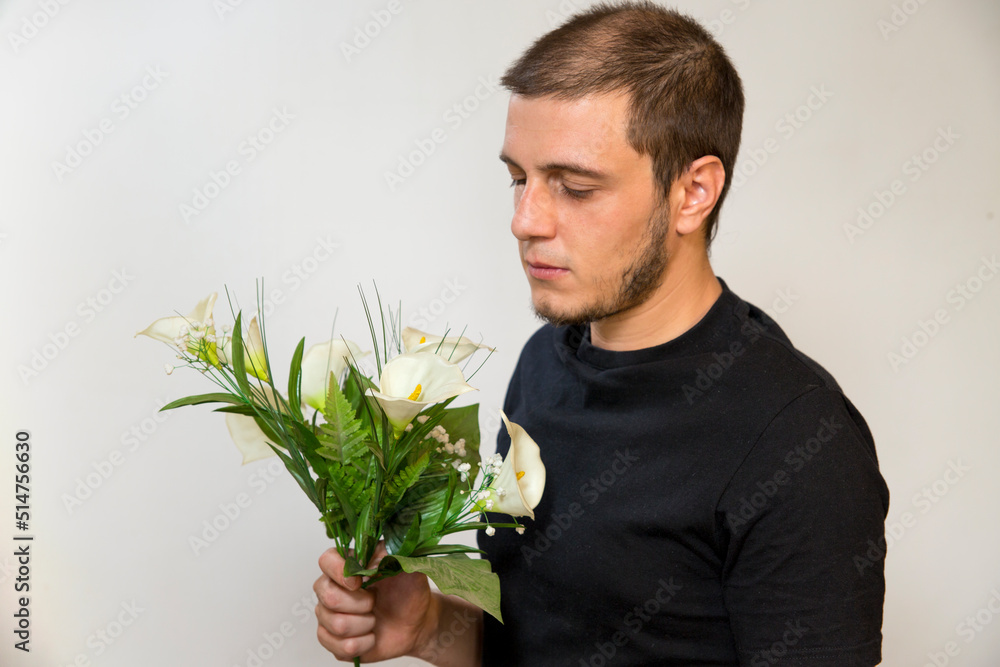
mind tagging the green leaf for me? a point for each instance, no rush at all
(244, 409)
(203, 398)
(354, 388)
(363, 542)
(453, 477)
(340, 492)
(238, 360)
(306, 442)
(375, 449)
(396, 528)
(342, 429)
(402, 481)
(352, 568)
(330, 502)
(427, 498)
(464, 423)
(321, 485)
(295, 380)
(305, 484)
(413, 442)
(446, 549)
(265, 426)
(329, 453)
(412, 537)
(455, 574)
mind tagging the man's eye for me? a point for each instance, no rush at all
(576, 194)
(517, 181)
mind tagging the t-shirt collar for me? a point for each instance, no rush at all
(574, 341)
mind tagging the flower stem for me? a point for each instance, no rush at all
(475, 525)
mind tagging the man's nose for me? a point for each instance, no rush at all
(533, 214)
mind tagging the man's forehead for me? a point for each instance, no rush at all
(577, 131)
(608, 110)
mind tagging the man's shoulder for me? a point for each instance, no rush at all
(770, 352)
(786, 386)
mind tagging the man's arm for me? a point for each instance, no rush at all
(802, 578)
(455, 636)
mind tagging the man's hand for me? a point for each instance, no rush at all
(388, 620)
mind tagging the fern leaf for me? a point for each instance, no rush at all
(342, 432)
(400, 483)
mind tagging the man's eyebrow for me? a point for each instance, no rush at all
(506, 160)
(568, 167)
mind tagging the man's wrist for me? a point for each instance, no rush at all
(452, 633)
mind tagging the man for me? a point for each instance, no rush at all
(711, 494)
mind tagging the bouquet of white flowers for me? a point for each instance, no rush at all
(381, 457)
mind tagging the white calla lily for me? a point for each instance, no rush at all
(193, 334)
(413, 380)
(319, 362)
(249, 439)
(245, 432)
(452, 348)
(517, 488)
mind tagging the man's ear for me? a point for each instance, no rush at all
(696, 191)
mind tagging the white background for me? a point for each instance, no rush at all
(442, 235)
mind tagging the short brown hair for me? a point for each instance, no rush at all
(686, 99)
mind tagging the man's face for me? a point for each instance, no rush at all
(587, 216)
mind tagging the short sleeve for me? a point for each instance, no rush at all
(802, 528)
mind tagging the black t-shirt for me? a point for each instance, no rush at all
(714, 500)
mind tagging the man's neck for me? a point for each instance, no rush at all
(682, 300)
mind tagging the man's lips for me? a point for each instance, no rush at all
(543, 271)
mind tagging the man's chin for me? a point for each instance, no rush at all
(558, 316)
(561, 314)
